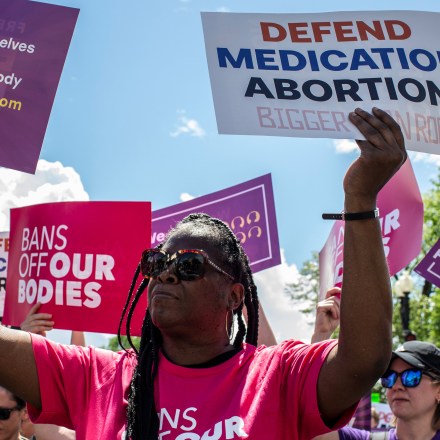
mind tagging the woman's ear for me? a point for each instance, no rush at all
(236, 296)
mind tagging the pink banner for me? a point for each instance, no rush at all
(78, 260)
(248, 208)
(429, 267)
(401, 217)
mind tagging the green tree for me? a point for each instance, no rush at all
(113, 343)
(305, 291)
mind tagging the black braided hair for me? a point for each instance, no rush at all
(142, 419)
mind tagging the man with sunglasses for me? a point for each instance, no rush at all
(193, 378)
(12, 413)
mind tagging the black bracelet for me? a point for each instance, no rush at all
(347, 216)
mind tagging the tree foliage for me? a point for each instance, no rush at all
(113, 343)
(305, 291)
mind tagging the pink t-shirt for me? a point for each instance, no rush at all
(259, 394)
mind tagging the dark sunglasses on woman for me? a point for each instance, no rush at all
(5, 413)
(410, 378)
(187, 264)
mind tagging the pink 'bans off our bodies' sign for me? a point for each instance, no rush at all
(401, 216)
(78, 260)
(34, 40)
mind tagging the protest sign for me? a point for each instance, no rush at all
(248, 209)
(401, 218)
(301, 74)
(4, 250)
(429, 267)
(78, 260)
(386, 417)
(34, 40)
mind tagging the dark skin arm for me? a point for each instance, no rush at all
(364, 347)
(18, 372)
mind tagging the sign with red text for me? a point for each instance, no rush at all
(34, 40)
(301, 74)
(386, 417)
(248, 209)
(429, 267)
(401, 217)
(78, 260)
(4, 250)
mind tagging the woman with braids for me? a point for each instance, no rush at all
(191, 379)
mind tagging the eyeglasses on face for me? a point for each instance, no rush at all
(5, 413)
(410, 378)
(188, 264)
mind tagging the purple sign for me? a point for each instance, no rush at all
(429, 267)
(34, 39)
(248, 209)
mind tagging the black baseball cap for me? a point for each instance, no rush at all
(418, 354)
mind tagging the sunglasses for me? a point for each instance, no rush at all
(410, 378)
(188, 264)
(5, 413)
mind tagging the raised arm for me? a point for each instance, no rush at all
(364, 348)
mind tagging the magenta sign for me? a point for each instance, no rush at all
(248, 209)
(429, 267)
(401, 218)
(77, 259)
(34, 40)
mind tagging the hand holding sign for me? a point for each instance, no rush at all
(382, 154)
(327, 315)
(38, 323)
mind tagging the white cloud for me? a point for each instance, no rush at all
(345, 146)
(223, 9)
(187, 126)
(424, 157)
(283, 315)
(184, 197)
(52, 182)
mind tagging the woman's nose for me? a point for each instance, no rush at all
(168, 276)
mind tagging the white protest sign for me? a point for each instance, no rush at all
(301, 74)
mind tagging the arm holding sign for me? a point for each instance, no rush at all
(364, 347)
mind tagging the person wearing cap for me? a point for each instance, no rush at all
(412, 381)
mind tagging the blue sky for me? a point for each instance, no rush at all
(134, 118)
